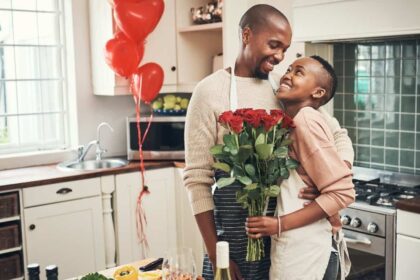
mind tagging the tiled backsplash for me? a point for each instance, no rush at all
(378, 102)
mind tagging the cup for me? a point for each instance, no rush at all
(178, 263)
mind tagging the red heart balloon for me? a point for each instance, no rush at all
(138, 19)
(123, 55)
(147, 82)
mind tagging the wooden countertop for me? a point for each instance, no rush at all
(410, 205)
(49, 174)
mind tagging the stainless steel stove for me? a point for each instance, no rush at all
(370, 223)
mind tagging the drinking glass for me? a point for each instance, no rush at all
(178, 264)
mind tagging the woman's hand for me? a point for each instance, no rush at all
(260, 226)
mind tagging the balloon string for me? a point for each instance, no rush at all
(148, 125)
(141, 220)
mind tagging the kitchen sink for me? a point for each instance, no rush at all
(92, 164)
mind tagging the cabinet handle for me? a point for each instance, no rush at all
(32, 227)
(173, 68)
(64, 191)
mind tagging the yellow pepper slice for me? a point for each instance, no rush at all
(126, 272)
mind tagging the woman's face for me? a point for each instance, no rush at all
(300, 81)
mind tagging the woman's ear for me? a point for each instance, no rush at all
(319, 93)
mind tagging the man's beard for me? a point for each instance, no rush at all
(260, 75)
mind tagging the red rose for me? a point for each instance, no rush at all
(241, 112)
(236, 124)
(287, 122)
(268, 122)
(277, 114)
(253, 117)
(224, 118)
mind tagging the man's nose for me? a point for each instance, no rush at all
(279, 56)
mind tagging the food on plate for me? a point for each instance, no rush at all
(126, 272)
(94, 276)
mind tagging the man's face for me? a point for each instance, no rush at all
(300, 82)
(266, 46)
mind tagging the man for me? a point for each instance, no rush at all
(265, 37)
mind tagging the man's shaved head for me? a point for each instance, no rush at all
(259, 15)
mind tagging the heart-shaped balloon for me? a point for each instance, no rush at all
(123, 55)
(147, 82)
(138, 19)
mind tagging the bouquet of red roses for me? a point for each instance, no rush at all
(255, 155)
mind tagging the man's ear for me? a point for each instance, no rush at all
(319, 93)
(246, 34)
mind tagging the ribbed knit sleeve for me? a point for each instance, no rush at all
(314, 149)
(341, 139)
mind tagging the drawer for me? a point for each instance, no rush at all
(65, 191)
(408, 223)
(9, 205)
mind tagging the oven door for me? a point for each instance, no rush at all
(368, 256)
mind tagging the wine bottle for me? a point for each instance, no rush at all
(222, 261)
(33, 271)
(52, 272)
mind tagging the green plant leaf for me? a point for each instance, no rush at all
(223, 182)
(284, 173)
(250, 170)
(286, 142)
(238, 171)
(264, 151)
(234, 151)
(251, 187)
(222, 166)
(273, 191)
(244, 180)
(216, 149)
(291, 163)
(254, 194)
(244, 138)
(281, 152)
(260, 139)
(243, 154)
(229, 140)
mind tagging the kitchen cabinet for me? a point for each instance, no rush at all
(160, 48)
(170, 222)
(408, 245)
(64, 226)
(160, 210)
(320, 20)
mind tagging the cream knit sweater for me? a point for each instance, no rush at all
(209, 99)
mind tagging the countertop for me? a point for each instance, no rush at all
(49, 174)
(410, 205)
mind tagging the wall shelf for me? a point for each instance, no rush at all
(216, 26)
(9, 219)
(14, 249)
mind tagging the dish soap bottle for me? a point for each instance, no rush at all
(33, 271)
(52, 272)
(222, 261)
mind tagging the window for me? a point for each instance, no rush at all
(33, 107)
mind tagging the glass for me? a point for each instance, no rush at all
(178, 264)
(48, 29)
(25, 28)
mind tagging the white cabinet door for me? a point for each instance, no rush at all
(160, 48)
(68, 234)
(315, 20)
(160, 210)
(188, 232)
(408, 256)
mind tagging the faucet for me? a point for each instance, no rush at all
(83, 150)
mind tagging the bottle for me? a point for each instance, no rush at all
(33, 271)
(52, 272)
(222, 261)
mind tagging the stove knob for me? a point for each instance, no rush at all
(355, 222)
(372, 227)
(345, 220)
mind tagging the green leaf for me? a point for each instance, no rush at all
(234, 151)
(229, 140)
(216, 149)
(281, 152)
(291, 163)
(273, 191)
(244, 138)
(244, 180)
(264, 151)
(284, 173)
(243, 154)
(251, 187)
(238, 171)
(286, 142)
(250, 170)
(222, 166)
(280, 132)
(260, 139)
(223, 182)
(254, 194)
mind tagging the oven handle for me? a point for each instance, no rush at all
(365, 240)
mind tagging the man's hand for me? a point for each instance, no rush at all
(257, 227)
(309, 193)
